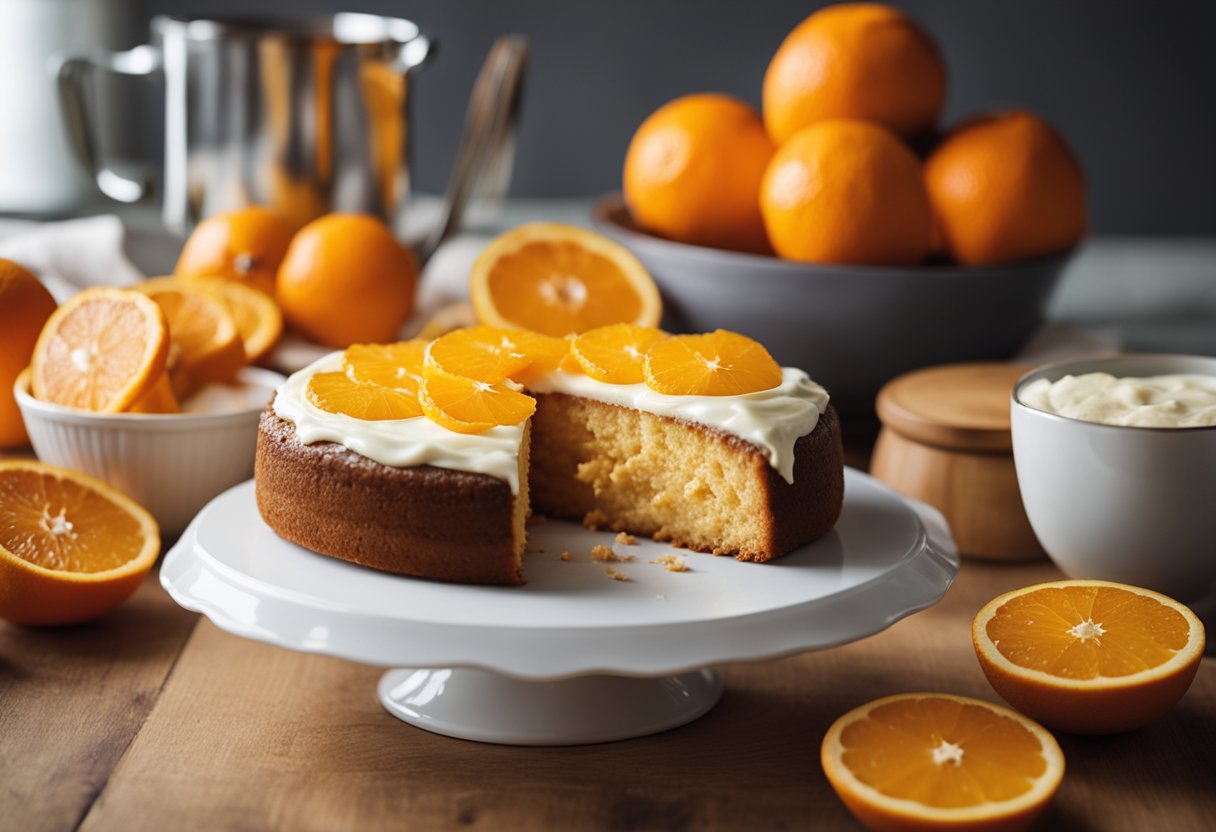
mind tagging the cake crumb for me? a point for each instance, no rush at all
(626, 539)
(605, 555)
(615, 574)
(594, 520)
(566, 557)
(672, 563)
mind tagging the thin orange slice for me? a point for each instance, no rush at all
(481, 353)
(930, 761)
(615, 354)
(102, 350)
(258, 318)
(1088, 657)
(206, 347)
(560, 279)
(339, 393)
(464, 405)
(160, 399)
(720, 363)
(71, 547)
(396, 365)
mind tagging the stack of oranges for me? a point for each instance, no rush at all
(828, 173)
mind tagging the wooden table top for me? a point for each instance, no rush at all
(153, 718)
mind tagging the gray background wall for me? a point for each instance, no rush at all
(1132, 84)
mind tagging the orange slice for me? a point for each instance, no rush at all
(464, 405)
(490, 354)
(339, 393)
(71, 547)
(559, 279)
(396, 365)
(206, 346)
(160, 399)
(931, 761)
(258, 318)
(615, 353)
(1088, 657)
(102, 350)
(719, 363)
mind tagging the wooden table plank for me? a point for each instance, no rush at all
(247, 736)
(73, 698)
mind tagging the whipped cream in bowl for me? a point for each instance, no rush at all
(1177, 400)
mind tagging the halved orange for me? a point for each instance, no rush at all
(397, 365)
(205, 345)
(560, 279)
(615, 353)
(936, 761)
(465, 405)
(71, 547)
(258, 318)
(102, 350)
(339, 393)
(1088, 657)
(719, 363)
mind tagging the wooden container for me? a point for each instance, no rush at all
(945, 441)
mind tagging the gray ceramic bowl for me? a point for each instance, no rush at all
(853, 328)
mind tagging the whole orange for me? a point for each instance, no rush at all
(345, 278)
(855, 60)
(1004, 188)
(25, 304)
(246, 245)
(843, 191)
(693, 170)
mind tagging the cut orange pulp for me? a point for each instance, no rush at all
(257, 317)
(492, 354)
(935, 761)
(397, 365)
(465, 405)
(1088, 657)
(205, 344)
(614, 354)
(71, 547)
(339, 393)
(102, 350)
(559, 280)
(719, 363)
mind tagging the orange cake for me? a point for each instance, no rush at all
(752, 475)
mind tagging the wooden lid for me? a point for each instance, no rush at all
(961, 407)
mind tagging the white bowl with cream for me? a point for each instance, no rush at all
(1118, 470)
(170, 463)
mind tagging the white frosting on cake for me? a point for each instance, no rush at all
(771, 420)
(401, 443)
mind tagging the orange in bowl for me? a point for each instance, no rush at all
(855, 60)
(1004, 188)
(71, 547)
(1088, 657)
(844, 191)
(693, 170)
(25, 304)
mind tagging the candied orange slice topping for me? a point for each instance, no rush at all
(396, 365)
(614, 354)
(481, 353)
(465, 405)
(719, 363)
(339, 393)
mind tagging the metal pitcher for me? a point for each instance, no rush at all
(305, 116)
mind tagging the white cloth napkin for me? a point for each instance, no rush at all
(71, 255)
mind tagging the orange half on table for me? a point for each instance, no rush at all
(932, 761)
(559, 280)
(1088, 657)
(71, 547)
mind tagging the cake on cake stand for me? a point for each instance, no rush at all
(576, 655)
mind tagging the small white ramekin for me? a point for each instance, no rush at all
(172, 464)
(1129, 504)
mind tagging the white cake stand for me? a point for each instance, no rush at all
(574, 656)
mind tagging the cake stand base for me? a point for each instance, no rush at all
(489, 707)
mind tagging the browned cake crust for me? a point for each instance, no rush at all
(674, 480)
(423, 521)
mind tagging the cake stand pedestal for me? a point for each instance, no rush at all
(574, 656)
